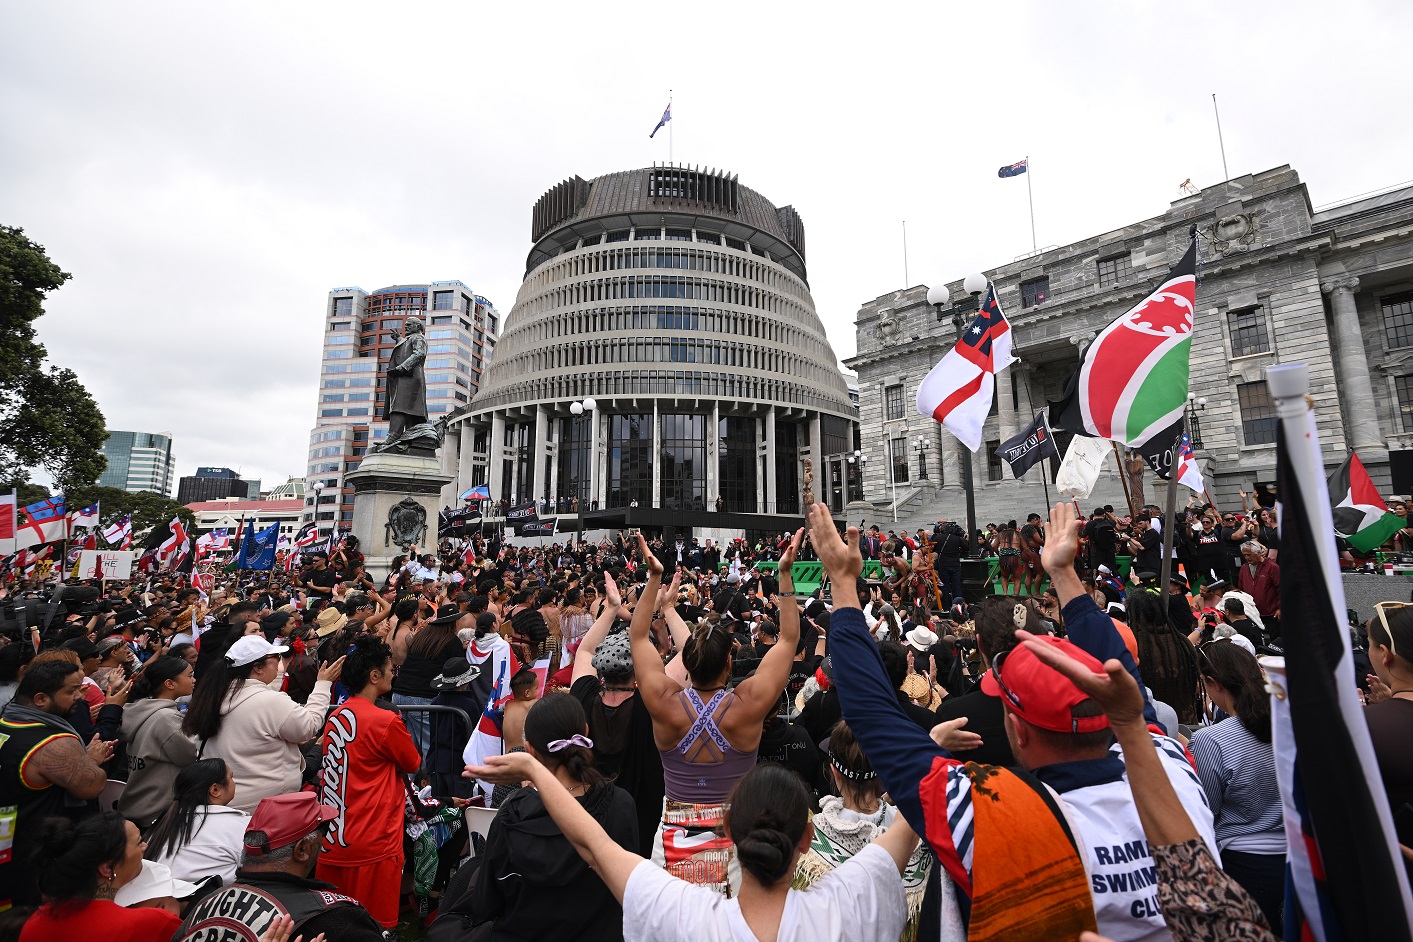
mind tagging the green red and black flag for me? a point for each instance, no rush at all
(1131, 385)
(1360, 514)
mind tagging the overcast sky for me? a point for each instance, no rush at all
(208, 172)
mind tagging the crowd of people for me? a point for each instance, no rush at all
(675, 742)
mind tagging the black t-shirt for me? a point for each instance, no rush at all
(987, 718)
(1150, 557)
(414, 678)
(323, 579)
(790, 745)
(625, 751)
(1390, 725)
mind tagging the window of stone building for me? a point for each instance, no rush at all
(441, 300)
(640, 233)
(619, 236)
(1035, 291)
(995, 468)
(893, 402)
(898, 453)
(1397, 311)
(1403, 389)
(1258, 413)
(343, 307)
(1114, 269)
(1248, 332)
(711, 237)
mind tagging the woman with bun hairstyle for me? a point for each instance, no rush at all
(530, 875)
(855, 819)
(80, 867)
(708, 734)
(157, 749)
(769, 822)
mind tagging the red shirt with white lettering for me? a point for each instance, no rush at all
(367, 749)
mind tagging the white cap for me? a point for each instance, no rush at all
(251, 648)
(154, 882)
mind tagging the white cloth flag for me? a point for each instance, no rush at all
(1084, 459)
(958, 391)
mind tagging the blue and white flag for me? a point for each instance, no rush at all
(666, 117)
(86, 518)
(1014, 170)
(479, 492)
(257, 550)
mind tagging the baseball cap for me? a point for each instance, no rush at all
(284, 819)
(154, 882)
(251, 648)
(1038, 693)
(84, 648)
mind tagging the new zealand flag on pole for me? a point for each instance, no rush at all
(1014, 170)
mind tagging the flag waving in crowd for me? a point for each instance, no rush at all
(1360, 514)
(44, 521)
(1344, 860)
(1132, 382)
(119, 532)
(958, 391)
(1188, 473)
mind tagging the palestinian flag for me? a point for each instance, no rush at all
(1132, 383)
(1360, 514)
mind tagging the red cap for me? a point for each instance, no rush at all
(1038, 693)
(285, 819)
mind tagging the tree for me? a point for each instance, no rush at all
(47, 419)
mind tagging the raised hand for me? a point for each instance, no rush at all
(1061, 539)
(667, 595)
(842, 560)
(953, 738)
(331, 671)
(787, 558)
(510, 769)
(650, 561)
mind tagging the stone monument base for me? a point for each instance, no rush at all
(395, 492)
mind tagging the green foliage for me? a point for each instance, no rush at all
(148, 510)
(47, 419)
(28, 493)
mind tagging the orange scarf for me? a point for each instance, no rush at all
(1027, 879)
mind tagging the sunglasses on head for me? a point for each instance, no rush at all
(1382, 607)
(1005, 691)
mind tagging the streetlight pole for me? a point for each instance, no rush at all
(938, 296)
(1195, 404)
(892, 472)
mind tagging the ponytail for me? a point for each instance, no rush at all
(203, 717)
(154, 674)
(193, 791)
(551, 727)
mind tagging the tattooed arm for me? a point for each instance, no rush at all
(66, 763)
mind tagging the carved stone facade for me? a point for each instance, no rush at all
(1279, 282)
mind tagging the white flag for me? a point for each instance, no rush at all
(1084, 459)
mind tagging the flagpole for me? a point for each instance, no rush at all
(669, 126)
(1123, 479)
(1169, 524)
(1030, 195)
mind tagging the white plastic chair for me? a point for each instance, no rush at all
(108, 798)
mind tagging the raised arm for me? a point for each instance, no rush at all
(1087, 626)
(656, 687)
(666, 604)
(610, 861)
(584, 655)
(900, 751)
(760, 693)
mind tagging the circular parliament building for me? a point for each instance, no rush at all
(663, 361)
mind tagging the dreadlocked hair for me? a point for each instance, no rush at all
(1167, 660)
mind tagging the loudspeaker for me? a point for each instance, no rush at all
(974, 584)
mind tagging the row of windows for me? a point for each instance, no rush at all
(657, 286)
(636, 318)
(659, 382)
(344, 383)
(715, 352)
(431, 407)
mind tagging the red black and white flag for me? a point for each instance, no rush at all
(1343, 858)
(958, 391)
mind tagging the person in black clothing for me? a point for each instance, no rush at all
(895, 661)
(1145, 545)
(1235, 612)
(531, 877)
(1099, 531)
(996, 625)
(526, 620)
(217, 640)
(787, 744)
(1207, 551)
(950, 544)
(427, 654)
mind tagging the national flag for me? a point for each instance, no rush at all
(42, 522)
(1079, 471)
(666, 117)
(1360, 514)
(959, 389)
(87, 517)
(219, 539)
(1033, 444)
(308, 535)
(491, 686)
(119, 532)
(257, 549)
(172, 550)
(479, 492)
(9, 503)
(1015, 169)
(1342, 853)
(1132, 382)
(1188, 473)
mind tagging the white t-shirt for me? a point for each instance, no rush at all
(861, 900)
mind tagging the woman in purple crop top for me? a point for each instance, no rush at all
(707, 734)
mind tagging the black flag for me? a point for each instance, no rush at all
(1031, 446)
(522, 513)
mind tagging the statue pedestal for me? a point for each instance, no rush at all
(395, 492)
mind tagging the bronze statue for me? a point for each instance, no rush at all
(407, 384)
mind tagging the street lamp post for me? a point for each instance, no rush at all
(938, 296)
(920, 448)
(1195, 404)
(317, 488)
(588, 407)
(860, 459)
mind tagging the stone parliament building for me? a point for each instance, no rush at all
(1279, 281)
